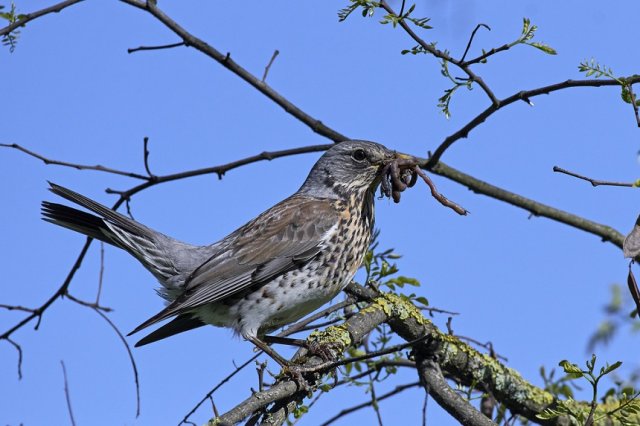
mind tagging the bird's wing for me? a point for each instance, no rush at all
(277, 241)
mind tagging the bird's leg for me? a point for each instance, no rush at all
(264, 347)
(284, 341)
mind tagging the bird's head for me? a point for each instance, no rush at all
(349, 167)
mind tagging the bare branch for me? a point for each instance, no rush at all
(473, 34)
(33, 15)
(524, 95)
(131, 359)
(145, 143)
(67, 396)
(159, 47)
(218, 386)
(537, 209)
(19, 349)
(268, 67)
(444, 56)
(436, 385)
(593, 182)
(97, 167)
(226, 61)
(397, 390)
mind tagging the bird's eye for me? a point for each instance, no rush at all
(359, 155)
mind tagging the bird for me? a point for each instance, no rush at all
(280, 266)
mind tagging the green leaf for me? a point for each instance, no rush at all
(571, 369)
(609, 368)
(423, 300)
(545, 48)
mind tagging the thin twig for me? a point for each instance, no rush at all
(594, 182)
(389, 394)
(101, 273)
(17, 308)
(66, 394)
(374, 401)
(91, 305)
(268, 67)
(77, 166)
(429, 47)
(523, 95)
(131, 359)
(218, 386)
(634, 103)
(300, 325)
(488, 346)
(226, 61)
(33, 15)
(145, 143)
(473, 34)
(159, 47)
(19, 349)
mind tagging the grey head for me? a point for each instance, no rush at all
(347, 168)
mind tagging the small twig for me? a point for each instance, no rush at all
(159, 47)
(127, 203)
(402, 8)
(488, 346)
(449, 326)
(19, 349)
(146, 157)
(632, 97)
(300, 325)
(473, 34)
(91, 305)
(131, 359)
(438, 311)
(218, 386)
(66, 394)
(374, 402)
(17, 308)
(389, 394)
(213, 407)
(48, 161)
(424, 409)
(268, 67)
(594, 182)
(101, 273)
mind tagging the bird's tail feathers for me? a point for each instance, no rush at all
(111, 227)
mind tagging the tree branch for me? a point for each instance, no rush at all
(33, 15)
(444, 56)
(524, 95)
(226, 61)
(436, 385)
(538, 209)
(77, 166)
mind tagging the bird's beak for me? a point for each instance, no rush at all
(405, 157)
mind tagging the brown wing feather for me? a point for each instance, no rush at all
(277, 241)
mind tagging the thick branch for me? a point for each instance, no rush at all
(538, 209)
(436, 385)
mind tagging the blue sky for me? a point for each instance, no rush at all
(533, 287)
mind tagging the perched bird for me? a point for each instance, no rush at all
(275, 269)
